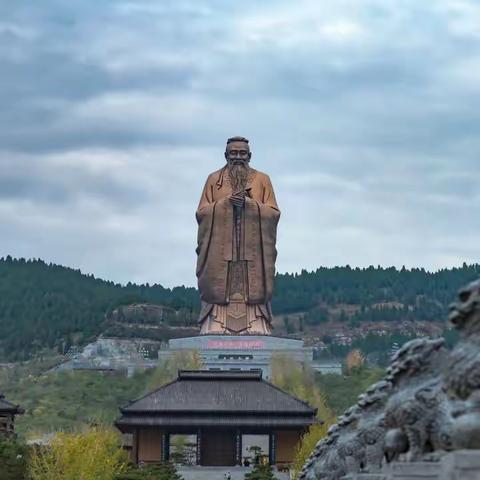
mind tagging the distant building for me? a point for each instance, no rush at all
(327, 366)
(217, 352)
(8, 411)
(342, 340)
(240, 352)
(220, 412)
(111, 354)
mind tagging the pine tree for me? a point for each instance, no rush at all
(261, 472)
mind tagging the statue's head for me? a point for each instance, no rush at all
(417, 356)
(465, 314)
(237, 151)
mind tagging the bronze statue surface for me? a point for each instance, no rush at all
(237, 226)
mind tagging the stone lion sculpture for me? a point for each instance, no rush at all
(399, 410)
(462, 379)
(427, 404)
(418, 409)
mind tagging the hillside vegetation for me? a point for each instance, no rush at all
(50, 306)
(44, 305)
(72, 399)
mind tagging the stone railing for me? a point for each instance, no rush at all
(422, 420)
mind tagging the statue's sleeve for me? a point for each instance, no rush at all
(261, 221)
(214, 244)
(269, 217)
(204, 215)
(207, 197)
(268, 195)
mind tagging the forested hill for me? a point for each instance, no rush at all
(377, 293)
(45, 305)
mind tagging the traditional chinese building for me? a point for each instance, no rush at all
(220, 410)
(8, 411)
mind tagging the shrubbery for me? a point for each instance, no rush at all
(261, 472)
(94, 454)
(165, 471)
(13, 457)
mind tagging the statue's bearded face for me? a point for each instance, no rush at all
(238, 155)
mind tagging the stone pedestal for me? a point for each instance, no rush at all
(415, 471)
(461, 465)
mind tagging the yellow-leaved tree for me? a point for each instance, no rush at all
(167, 370)
(92, 454)
(355, 359)
(299, 380)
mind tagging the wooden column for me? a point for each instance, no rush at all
(136, 439)
(165, 447)
(199, 447)
(238, 447)
(272, 447)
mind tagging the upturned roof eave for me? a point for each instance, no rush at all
(14, 409)
(125, 424)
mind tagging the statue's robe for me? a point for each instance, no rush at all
(217, 249)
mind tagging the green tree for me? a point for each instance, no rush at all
(341, 391)
(13, 457)
(305, 447)
(300, 382)
(167, 370)
(261, 472)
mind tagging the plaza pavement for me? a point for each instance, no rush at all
(218, 473)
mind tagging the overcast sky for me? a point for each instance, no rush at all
(365, 114)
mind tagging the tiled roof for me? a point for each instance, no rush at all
(220, 393)
(9, 407)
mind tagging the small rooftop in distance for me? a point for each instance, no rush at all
(9, 407)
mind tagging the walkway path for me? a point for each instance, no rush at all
(218, 473)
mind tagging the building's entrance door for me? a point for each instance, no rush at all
(218, 448)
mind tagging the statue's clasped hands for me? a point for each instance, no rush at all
(238, 199)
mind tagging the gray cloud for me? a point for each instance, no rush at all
(363, 113)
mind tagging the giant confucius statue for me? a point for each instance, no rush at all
(237, 227)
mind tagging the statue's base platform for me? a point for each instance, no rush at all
(239, 352)
(461, 465)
